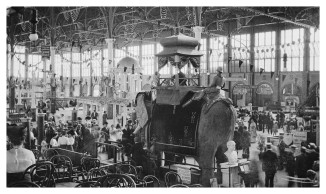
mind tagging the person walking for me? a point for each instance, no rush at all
(253, 131)
(290, 164)
(245, 142)
(275, 128)
(269, 165)
(281, 147)
(300, 165)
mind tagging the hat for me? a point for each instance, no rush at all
(105, 123)
(293, 146)
(312, 145)
(78, 118)
(219, 69)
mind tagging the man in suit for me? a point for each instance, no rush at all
(300, 165)
(290, 164)
(105, 117)
(94, 115)
(269, 165)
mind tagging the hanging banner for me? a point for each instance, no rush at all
(45, 50)
(299, 137)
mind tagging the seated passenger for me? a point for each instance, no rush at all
(18, 158)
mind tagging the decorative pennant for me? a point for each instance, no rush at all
(261, 71)
(285, 58)
(272, 74)
(283, 77)
(210, 51)
(240, 63)
(251, 67)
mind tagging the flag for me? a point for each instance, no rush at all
(240, 63)
(283, 78)
(210, 51)
(125, 69)
(133, 69)
(251, 67)
(272, 74)
(261, 71)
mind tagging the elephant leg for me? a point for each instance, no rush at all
(206, 162)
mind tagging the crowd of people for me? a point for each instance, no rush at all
(275, 155)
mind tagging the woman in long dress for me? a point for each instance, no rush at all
(253, 131)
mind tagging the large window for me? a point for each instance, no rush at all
(76, 65)
(240, 46)
(86, 64)
(148, 59)
(96, 62)
(19, 59)
(66, 64)
(217, 52)
(58, 66)
(314, 50)
(133, 51)
(203, 61)
(292, 45)
(119, 54)
(35, 62)
(265, 51)
(166, 69)
(106, 64)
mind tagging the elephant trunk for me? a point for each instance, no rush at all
(197, 96)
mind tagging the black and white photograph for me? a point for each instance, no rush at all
(162, 96)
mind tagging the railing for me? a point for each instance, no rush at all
(185, 81)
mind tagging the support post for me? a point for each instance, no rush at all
(26, 122)
(40, 128)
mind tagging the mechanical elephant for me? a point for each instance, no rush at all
(213, 127)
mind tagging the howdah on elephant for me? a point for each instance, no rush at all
(187, 120)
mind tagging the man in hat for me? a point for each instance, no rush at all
(269, 166)
(312, 155)
(219, 80)
(104, 117)
(94, 115)
(300, 165)
(290, 164)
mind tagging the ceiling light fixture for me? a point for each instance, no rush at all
(33, 36)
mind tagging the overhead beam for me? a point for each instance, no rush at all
(277, 17)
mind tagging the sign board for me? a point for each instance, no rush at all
(260, 108)
(185, 175)
(299, 137)
(45, 50)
